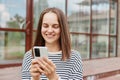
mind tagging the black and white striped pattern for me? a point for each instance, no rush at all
(70, 69)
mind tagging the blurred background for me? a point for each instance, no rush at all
(94, 27)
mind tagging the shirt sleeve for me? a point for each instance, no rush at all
(77, 68)
(26, 66)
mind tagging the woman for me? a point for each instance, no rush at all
(62, 63)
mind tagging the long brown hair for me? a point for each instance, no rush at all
(65, 42)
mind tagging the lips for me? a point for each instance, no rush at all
(49, 36)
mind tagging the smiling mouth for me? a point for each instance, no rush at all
(50, 36)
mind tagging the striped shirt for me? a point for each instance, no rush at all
(70, 69)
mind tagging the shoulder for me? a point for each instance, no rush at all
(76, 54)
(27, 57)
(76, 58)
(28, 54)
(27, 60)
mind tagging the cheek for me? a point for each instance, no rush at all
(43, 30)
(58, 32)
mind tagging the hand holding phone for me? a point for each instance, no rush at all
(39, 51)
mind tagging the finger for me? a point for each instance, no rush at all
(49, 62)
(50, 66)
(46, 67)
(35, 72)
(42, 64)
(36, 68)
(34, 61)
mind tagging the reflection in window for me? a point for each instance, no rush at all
(12, 45)
(112, 46)
(12, 13)
(113, 17)
(81, 43)
(100, 16)
(99, 47)
(78, 16)
(98, 20)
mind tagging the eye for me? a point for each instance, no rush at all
(55, 26)
(45, 25)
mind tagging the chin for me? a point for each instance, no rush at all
(50, 42)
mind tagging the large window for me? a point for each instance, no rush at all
(93, 27)
(12, 25)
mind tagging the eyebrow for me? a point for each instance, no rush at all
(52, 24)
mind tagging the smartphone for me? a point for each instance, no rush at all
(39, 51)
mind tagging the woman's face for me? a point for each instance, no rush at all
(50, 28)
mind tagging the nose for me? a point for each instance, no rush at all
(50, 29)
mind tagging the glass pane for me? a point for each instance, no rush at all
(12, 13)
(112, 46)
(99, 46)
(78, 15)
(113, 17)
(81, 43)
(100, 16)
(12, 45)
(40, 5)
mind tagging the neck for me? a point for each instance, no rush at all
(53, 48)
